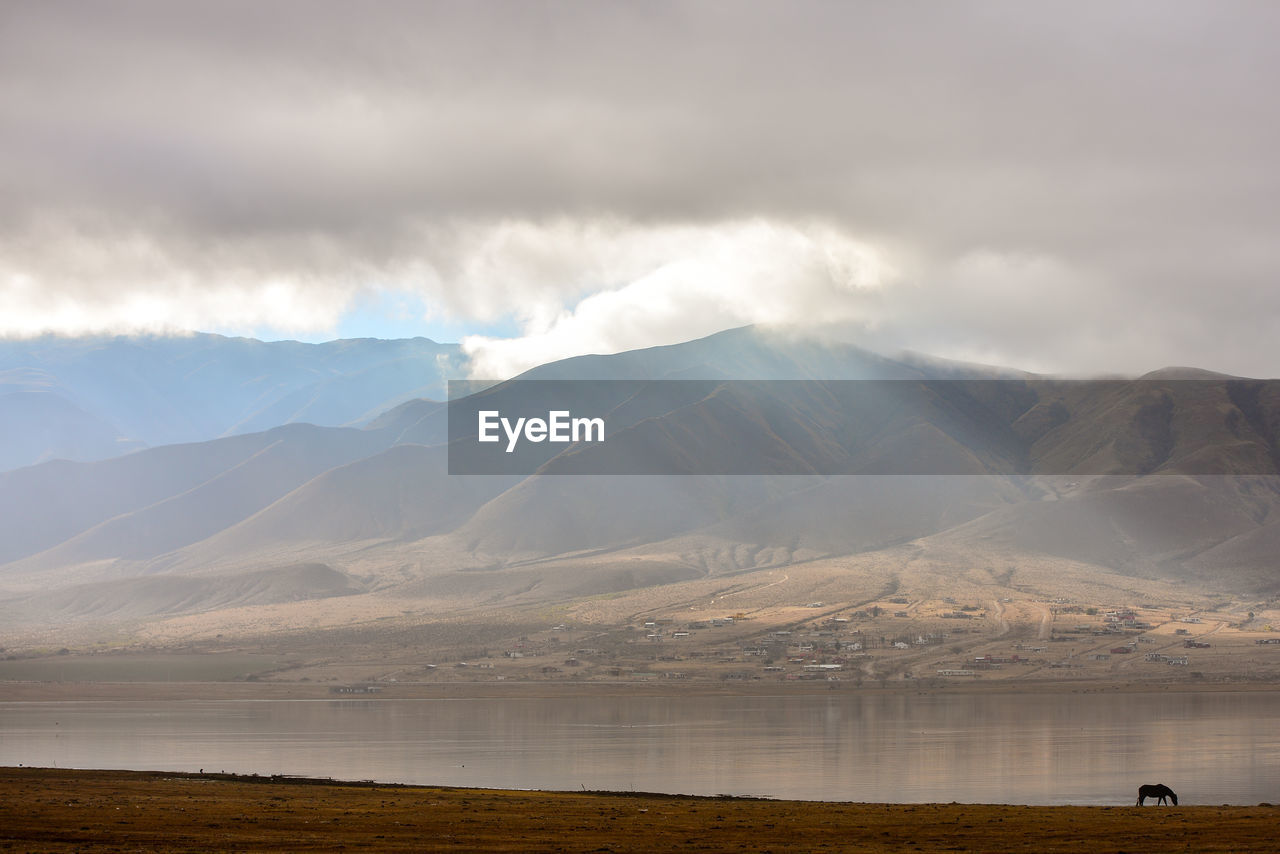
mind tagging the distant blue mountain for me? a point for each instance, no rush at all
(1036, 467)
(94, 398)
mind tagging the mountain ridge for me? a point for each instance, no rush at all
(1036, 467)
(148, 391)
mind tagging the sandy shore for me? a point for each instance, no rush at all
(61, 810)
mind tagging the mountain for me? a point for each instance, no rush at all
(95, 398)
(795, 451)
(39, 425)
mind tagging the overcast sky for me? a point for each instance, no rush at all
(1067, 186)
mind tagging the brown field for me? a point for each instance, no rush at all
(58, 810)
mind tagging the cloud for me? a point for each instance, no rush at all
(662, 285)
(1054, 183)
(101, 279)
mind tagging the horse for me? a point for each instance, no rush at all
(1159, 790)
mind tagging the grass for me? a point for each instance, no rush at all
(60, 810)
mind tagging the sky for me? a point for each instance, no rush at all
(1053, 186)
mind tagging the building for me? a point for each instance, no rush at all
(356, 689)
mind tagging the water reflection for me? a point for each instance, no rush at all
(1038, 749)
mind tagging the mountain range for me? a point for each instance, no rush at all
(345, 491)
(93, 398)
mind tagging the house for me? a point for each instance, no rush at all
(355, 689)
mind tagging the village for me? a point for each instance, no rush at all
(898, 640)
(895, 640)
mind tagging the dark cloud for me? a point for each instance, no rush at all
(1112, 161)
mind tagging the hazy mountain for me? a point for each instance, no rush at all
(42, 425)
(945, 454)
(168, 594)
(93, 398)
(288, 458)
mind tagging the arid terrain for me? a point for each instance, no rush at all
(912, 617)
(972, 524)
(49, 810)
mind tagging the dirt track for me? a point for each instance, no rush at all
(57, 810)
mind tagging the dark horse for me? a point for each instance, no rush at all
(1159, 790)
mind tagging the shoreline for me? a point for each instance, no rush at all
(32, 691)
(101, 810)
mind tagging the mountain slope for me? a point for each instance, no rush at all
(151, 391)
(295, 455)
(43, 425)
(880, 455)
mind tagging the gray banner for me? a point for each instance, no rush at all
(881, 427)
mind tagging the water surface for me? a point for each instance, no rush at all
(1032, 749)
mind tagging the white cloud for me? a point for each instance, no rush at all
(1056, 189)
(1016, 309)
(89, 280)
(571, 286)
(665, 284)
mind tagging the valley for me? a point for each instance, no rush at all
(901, 521)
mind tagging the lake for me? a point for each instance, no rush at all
(1212, 748)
